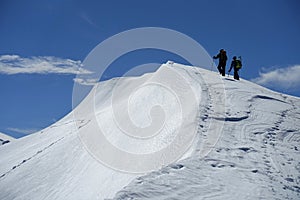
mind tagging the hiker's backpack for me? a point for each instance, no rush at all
(238, 64)
(223, 56)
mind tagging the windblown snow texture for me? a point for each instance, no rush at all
(256, 157)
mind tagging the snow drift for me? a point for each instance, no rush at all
(246, 146)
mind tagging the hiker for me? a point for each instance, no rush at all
(222, 61)
(236, 64)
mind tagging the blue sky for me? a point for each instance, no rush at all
(61, 33)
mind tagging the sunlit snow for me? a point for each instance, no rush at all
(246, 147)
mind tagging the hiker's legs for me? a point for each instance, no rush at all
(223, 70)
(236, 75)
(220, 68)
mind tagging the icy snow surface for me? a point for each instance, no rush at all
(255, 157)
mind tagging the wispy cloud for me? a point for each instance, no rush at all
(82, 81)
(87, 19)
(14, 64)
(23, 131)
(281, 79)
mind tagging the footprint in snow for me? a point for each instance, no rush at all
(177, 166)
(247, 149)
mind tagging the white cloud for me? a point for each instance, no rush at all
(281, 79)
(23, 131)
(8, 57)
(85, 81)
(14, 64)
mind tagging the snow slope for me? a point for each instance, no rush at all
(256, 156)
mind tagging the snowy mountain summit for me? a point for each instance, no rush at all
(181, 132)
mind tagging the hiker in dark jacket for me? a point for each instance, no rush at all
(236, 65)
(222, 61)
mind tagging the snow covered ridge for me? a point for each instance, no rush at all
(146, 122)
(252, 152)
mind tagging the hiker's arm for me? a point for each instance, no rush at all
(231, 66)
(217, 56)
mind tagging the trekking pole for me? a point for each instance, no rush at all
(212, 65)
(240, 57)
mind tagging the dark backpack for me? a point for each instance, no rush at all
(238, 64)
(223, 56)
